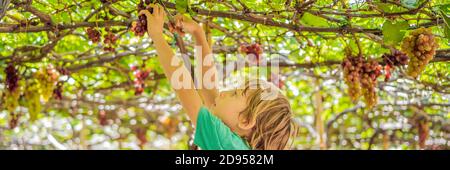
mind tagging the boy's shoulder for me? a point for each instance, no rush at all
(212, 134)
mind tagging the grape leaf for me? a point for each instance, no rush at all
(446, 26)
(393, 32)
(446, 21)
(312, 20)
(388, 7)
(410, 3)
(445, 8)
(182, 6)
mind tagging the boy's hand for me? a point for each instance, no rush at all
(184, 24)
(155, 20)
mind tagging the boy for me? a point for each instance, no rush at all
(238, 119)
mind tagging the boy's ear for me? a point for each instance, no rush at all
(246, 124)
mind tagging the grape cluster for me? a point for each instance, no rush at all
(352, 68)
(423, 132)
(254, 51)
(109, 41)
(11, 99)
(13, 120)
(102, 118)
(396, 59)
(57, 92)
(421, 47)
(277, 80)
(47, 78)
(12, 92)
(93, 34)
(63, 71)
(12, 77)
(371, 70)
(32, 97)
(141, 134)
(139, 81)
(140, 27)
(361, 75)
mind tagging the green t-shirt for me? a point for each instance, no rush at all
(212, 134)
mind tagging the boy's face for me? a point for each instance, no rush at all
(228, 105)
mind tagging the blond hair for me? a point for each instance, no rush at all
(273, 115)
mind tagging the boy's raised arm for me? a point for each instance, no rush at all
(189, 97)
(209, 82)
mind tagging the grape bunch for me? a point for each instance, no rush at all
(12, 77)
(140, 76)
(370, 71)
(140, 26)
(253, 51)
(352, 66)
(141, 134)
(109, 41)
(47, 78)
(423, 129)
(102, 118)
(421, 47)
(277, 80)
(11, 99)
(12, 92)
(361, 75)
(57, 92)
(32, 98)
(93, 34)
(63, 71)
(13, 120)
(396, 59)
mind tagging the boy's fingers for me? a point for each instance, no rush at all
(161, 10)
(177, 17)
(145, 12)
(153, 6)
(156, 11)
